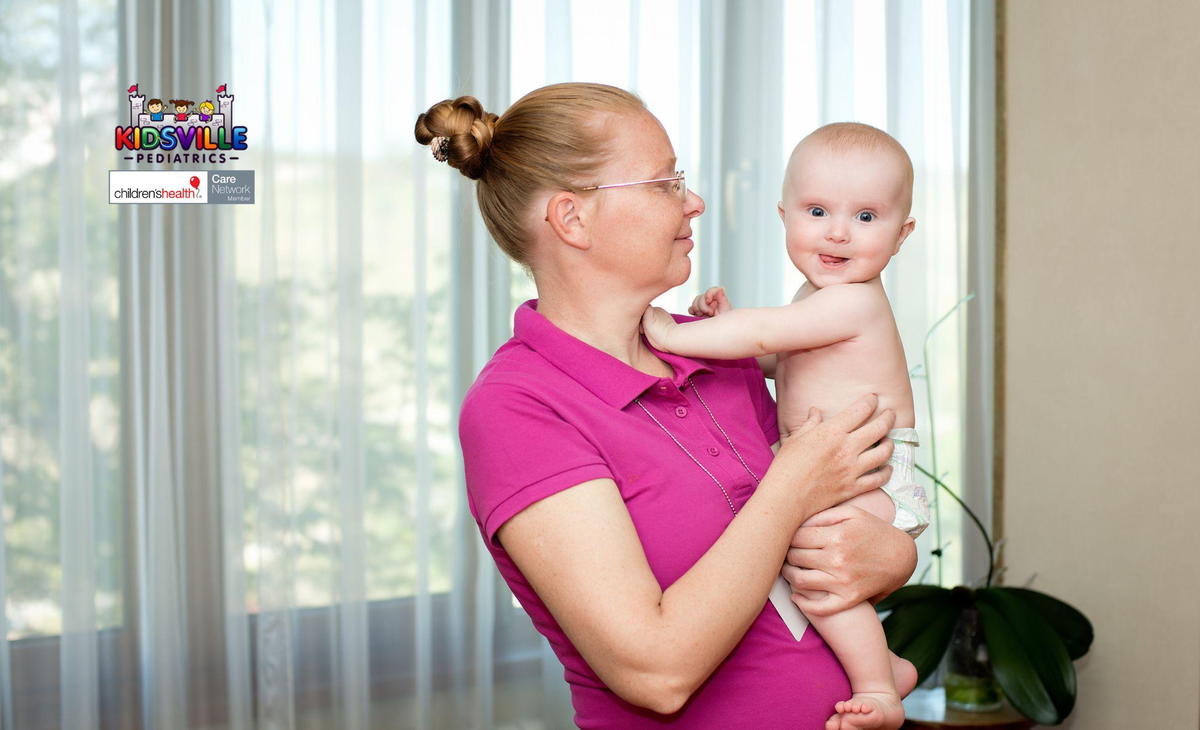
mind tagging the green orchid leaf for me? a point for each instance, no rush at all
(904, 628)
(910, 594)
(1071, 626)
(1011, 666)
(920, 631)
(1029, 660)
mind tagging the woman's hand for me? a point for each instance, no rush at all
(844, 556)
(711, 302)
(828, 462)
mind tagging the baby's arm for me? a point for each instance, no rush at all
(713, 302)
(826, 316)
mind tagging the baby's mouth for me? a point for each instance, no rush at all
(832, 260)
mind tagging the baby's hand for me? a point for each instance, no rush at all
(710, 303)
(658, 324)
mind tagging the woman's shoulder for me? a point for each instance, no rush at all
(518, 445)
(685, 317)
(513, 372)
(516, 390)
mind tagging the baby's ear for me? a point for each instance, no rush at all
(780, 207)
(905, 229)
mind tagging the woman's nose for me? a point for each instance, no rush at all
(693, 205)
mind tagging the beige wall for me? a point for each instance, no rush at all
(1102, 340)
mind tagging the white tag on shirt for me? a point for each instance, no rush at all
(781, 598)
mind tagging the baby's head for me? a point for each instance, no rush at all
(846, 198)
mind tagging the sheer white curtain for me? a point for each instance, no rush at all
(229, 471)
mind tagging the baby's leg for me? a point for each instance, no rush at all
(877, 503)
(856, 637)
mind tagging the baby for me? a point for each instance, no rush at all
(846, 198)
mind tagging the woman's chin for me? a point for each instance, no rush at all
(687, 274)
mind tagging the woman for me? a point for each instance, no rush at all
(629, 496)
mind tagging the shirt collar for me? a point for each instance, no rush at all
(609, 379)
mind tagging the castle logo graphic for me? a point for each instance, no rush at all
(191, 134)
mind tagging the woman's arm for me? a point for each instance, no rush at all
(654, 647)
(850, 554)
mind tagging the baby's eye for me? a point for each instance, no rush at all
(816, 211)
(866, 216)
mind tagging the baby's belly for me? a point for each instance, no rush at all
(795, 397)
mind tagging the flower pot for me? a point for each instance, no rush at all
(968, 679)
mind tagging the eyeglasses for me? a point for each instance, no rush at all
(679, 187)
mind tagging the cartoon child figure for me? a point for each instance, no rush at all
(845, 209)
(155, 107)
(206, 109)
(181, 108)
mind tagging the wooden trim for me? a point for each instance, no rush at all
(999, 375)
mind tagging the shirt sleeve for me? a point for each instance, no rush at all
(518, 450)
(764, 404)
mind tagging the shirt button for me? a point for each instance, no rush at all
(713, 451)
(680, 411)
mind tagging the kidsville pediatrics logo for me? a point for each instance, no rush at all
(180, 131)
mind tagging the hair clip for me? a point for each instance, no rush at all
(439, 147)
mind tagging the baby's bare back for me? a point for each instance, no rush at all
(834, 376)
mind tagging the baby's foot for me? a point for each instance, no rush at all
(880, 710)
(904, 674)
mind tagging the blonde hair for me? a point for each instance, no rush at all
(856, 136)
(552, 138)
(206, 105)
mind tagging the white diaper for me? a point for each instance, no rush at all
(912, 503)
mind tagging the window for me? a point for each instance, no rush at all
(228, 435)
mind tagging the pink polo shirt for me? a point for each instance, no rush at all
(549, 411)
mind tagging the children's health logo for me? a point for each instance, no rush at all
(157, 186)
(190, 134)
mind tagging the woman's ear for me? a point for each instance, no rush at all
(564, 214)
(905, 229)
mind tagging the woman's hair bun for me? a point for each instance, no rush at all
(460, 132)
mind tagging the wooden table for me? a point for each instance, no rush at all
(926, 708)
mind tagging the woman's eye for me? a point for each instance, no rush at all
(816, 212)
(866, 217)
